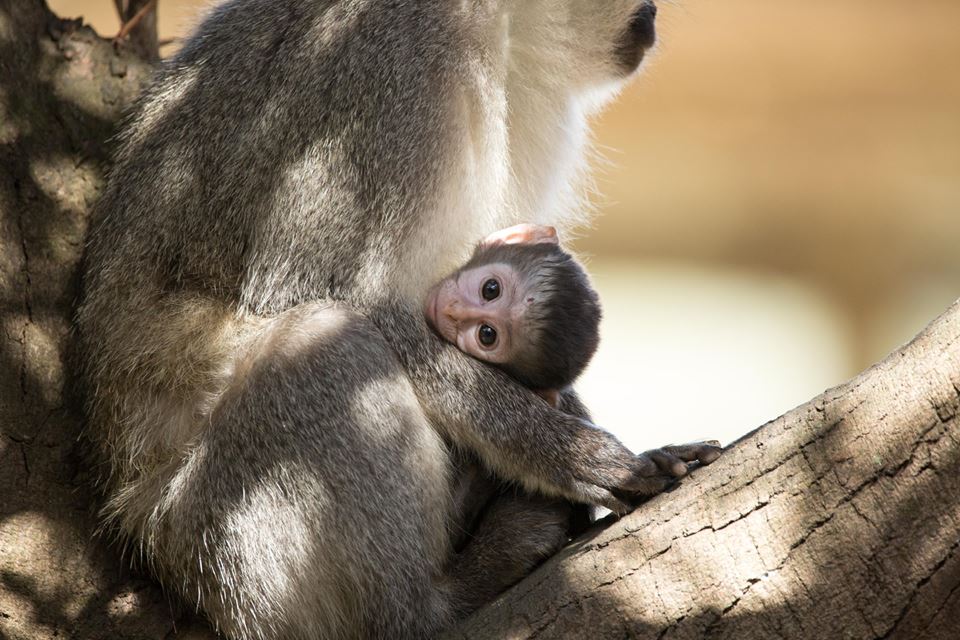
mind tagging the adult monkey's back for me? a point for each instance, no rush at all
(265, 449)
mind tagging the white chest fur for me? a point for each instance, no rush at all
(518, 155)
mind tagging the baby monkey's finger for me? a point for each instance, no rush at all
(702, 452)
(640, 466)
(668, 462)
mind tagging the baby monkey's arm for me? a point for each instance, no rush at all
(671, 458)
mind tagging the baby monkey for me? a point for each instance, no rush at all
(522, 304)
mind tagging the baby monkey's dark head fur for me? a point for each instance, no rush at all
(561, 321)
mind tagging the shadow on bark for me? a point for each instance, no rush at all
(62, 91)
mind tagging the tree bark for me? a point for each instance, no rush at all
(62, 91)
(838, 520)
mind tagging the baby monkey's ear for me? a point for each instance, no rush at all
(522, 234)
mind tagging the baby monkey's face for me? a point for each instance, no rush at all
(481, 310)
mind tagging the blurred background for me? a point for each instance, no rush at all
(779, 205)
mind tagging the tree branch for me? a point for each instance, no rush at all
(139, 23)
(838, 520)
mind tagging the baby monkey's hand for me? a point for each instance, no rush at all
(671, 462)
(673, 459)
(620, 481)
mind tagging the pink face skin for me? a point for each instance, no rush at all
(462, 309)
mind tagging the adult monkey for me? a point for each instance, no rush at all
(279, 458)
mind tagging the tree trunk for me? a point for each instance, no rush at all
(839, 520)
(62, 90)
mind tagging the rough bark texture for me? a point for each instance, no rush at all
(62, 91)
(839, 520)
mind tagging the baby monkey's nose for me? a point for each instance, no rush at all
(454, 311)
(458, 312)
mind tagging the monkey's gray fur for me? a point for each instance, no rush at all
(278, 425)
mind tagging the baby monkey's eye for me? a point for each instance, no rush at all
(487, 335)
(491, 290)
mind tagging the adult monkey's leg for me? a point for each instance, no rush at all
(315, 502)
